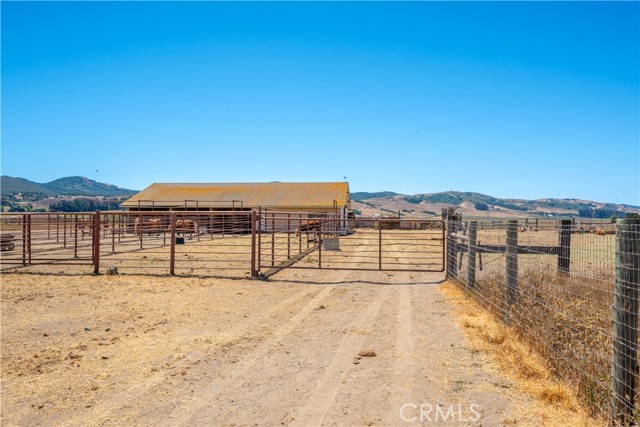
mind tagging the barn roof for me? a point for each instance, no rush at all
(283, 195)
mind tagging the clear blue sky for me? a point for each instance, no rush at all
(510, 99)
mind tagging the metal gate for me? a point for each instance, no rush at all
(293, 240)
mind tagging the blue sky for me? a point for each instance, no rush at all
(510, 99)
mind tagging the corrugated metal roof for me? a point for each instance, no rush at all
(310, 195)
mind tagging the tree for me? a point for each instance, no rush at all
(481, 206)
(82, 204)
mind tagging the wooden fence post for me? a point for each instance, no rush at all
(96, 242)
(564, 243)
(471, 252)
(512, 265)
(452, 268)
(172, 250)
(624, 364)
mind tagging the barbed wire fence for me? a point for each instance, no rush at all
(570, 290)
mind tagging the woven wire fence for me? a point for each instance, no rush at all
(562, 285)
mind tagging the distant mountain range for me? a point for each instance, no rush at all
(69, 186)
(388, 203)
(383, 203)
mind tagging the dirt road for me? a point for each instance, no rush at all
(165, 351)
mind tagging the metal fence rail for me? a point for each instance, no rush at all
(31, 239)
(560, 285)
(219, 242)
(338, 244)
(205, 243)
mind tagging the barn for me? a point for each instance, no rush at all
(314, 197)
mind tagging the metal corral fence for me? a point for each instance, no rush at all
(562, 286)
(203, 243)
(216, 243)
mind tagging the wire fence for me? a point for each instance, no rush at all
(561, 285)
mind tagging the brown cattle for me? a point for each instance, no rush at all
(186, 226)
(148, 225)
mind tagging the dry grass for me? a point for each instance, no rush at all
(566, 320)
(554, 402)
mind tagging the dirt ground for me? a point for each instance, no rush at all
(81, 350)
(136, 350)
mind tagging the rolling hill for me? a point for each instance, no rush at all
(388, 203)
(10, 186)
(69, 186)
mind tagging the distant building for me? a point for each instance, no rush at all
(314, 197)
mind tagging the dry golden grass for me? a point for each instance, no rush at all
(553, 402)
(566, 320)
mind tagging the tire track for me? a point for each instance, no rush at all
(199, 400)
(404, 366)
(98, 413)
(323, 396)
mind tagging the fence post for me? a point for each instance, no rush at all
(96, 243)
(24, 239)
(113, 233)
(471, 253)
(288, 236)
(564, 243)
(452, 268)
(624, 366)
(29, 240)
(273, 240)
(75, 236)
(379, 245)
(172, 251)
(259, 255)
(512, 265)
(319, 243)
(254, 272)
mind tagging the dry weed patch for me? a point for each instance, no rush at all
(554, 402)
